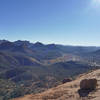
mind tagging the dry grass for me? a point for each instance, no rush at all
(68, 91)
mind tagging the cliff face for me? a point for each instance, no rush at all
(68, 91)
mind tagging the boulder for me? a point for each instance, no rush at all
(88, 84)
(66, 80)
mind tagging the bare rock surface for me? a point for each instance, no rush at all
(66, 80)
(88, 84)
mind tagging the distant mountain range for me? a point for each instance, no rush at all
(35, 67)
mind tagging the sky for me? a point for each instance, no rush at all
(68, 22)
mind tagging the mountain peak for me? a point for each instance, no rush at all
(38, 44)
(6, 45)
(52, 46)
(19, 42)
(3, 41)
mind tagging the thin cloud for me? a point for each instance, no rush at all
(1, 33)
(95, 3)
(92, 6)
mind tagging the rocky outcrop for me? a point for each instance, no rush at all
(66, 80)
(90, 84)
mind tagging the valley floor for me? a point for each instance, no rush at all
(68, 91)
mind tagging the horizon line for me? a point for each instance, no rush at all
(79, 45)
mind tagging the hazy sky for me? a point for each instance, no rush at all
(75, 22)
